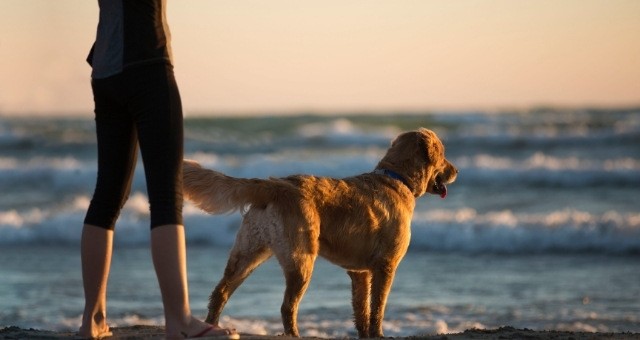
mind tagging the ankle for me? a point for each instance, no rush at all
(94, 324)
(179, 326)
(99, 318)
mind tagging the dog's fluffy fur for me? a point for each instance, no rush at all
(360, 223)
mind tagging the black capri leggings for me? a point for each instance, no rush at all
(138, 106)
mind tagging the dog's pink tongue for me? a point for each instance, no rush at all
(443, 192)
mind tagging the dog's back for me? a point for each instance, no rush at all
(365, 199)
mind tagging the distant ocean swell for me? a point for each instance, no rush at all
(69, 173)
(535, 181)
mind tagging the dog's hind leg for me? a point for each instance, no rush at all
(360, 293)
(297, 271)
(239, 267)
(248, 252)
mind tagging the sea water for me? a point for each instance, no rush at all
(541, 229)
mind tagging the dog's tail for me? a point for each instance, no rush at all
(217, 193)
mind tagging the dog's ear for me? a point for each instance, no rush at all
(431, 144)
(405, 147)
(422, 145)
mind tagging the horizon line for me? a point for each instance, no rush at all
(291, 112)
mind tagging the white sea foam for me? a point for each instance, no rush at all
(319, 326)
(465, 230)
(541, 161)
(462, 230)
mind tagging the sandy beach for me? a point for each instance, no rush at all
(157, 332)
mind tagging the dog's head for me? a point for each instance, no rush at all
(418, 157)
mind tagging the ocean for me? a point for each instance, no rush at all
(541, 230)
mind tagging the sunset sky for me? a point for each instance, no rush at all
(276, 56)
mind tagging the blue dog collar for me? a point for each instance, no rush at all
(393, 175)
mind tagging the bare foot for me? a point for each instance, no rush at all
(95, 332)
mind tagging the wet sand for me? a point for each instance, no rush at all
(157, 332)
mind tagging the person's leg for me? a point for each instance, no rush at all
(117, 149)
(96, 248)
(159, 123)
(170, 262)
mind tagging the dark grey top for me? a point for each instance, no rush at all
(130, 33)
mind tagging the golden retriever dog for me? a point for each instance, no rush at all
(360, 223)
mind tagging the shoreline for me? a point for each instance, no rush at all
(157, 332)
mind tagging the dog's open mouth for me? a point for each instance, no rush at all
(439, 188)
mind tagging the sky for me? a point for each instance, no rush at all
(283, 56)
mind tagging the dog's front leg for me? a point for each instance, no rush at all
(360, 293)
(380, 287)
